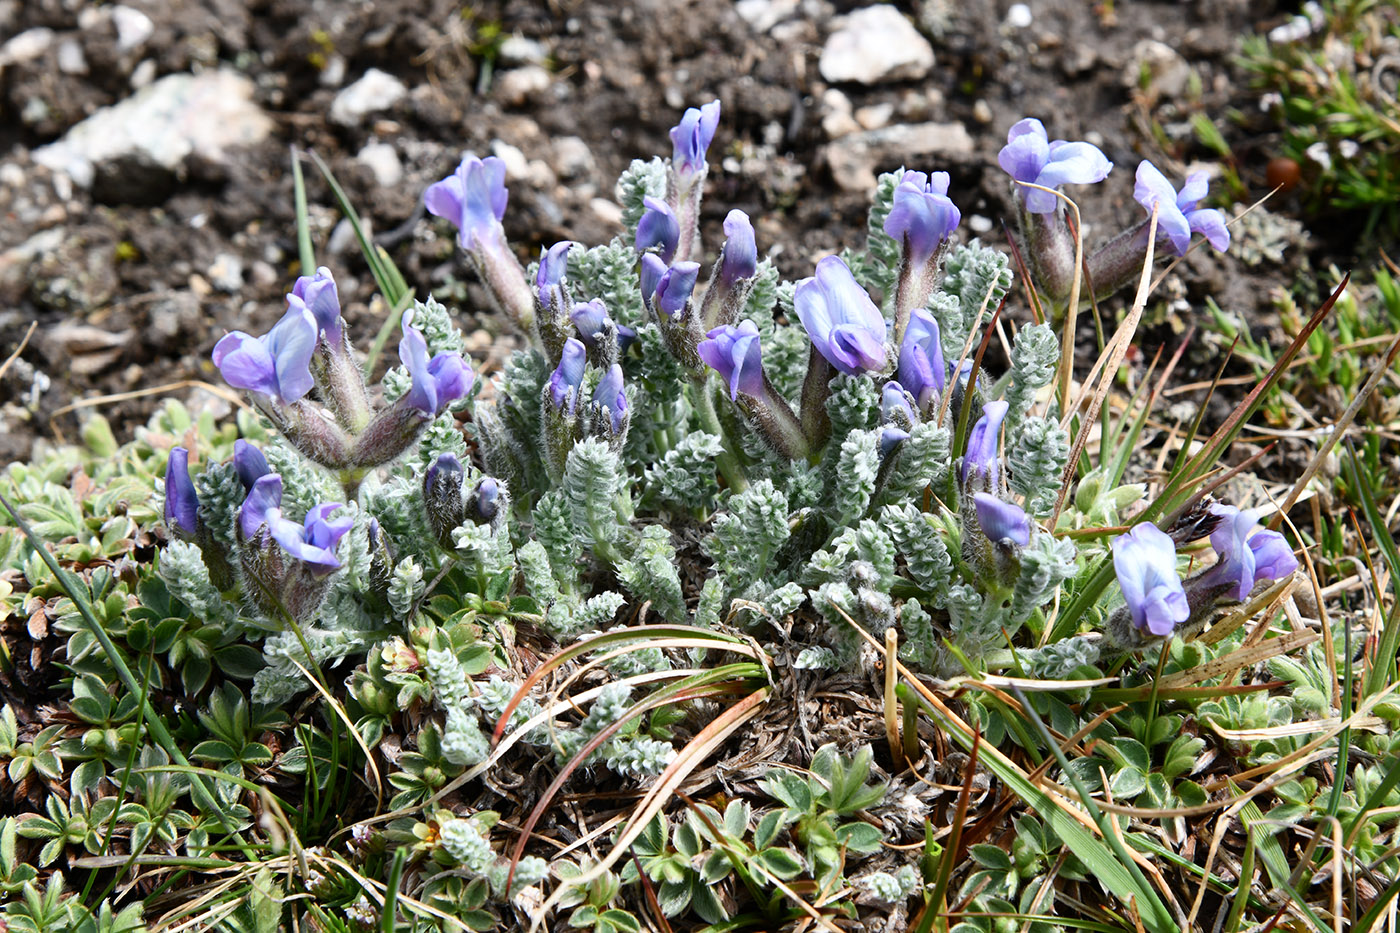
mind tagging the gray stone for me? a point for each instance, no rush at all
(873, 45)
(1160, 66)
(855, 158)
(145, 140)
(572, 157)
(71, 60)
(375, 91)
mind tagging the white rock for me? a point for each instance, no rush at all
(133, 27)
(573, 157)
(518, 50)
(763, 15)
(376, 91)
(1166, 71)
(517, 166)
(875, 116)
(226, 273)
(876, 44)
(383, 160)
(607, 211)
(518, 85)
(71, 60)
(1019, 16)
(854, 159)
(177, 116)
(26, 46)
(143, 74)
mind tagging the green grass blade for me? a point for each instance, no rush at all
(1275, 862)
(306, 255)
(1383, 671)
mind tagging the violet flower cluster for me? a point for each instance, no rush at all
(1040, 167)
(1158, 602)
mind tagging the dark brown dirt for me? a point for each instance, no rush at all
(159, 271)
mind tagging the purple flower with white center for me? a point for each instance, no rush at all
(1145, 562)
(739, 260)
(564, 382)
(1002, 521)
(676, 286)
(436, 382)
(609, 394)
(923, 216)
(922, 371)
(473, 198)
(734, 353)
(589, 319)
(549, 279)
(317, 293)
(1247, 553)
(313, 542)
(981, 459)
(1177, 214)
(658, 228)
(277, 364)
(1030, 157)
(841, 320)
(691, 138)
(249, 463)
(894, 405)
(181, 500)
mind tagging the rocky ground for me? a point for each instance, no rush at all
(145, 170)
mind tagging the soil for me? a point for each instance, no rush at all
(138, 282)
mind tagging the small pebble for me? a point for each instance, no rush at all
(1019, 16)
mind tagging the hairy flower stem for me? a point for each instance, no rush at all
(816, 388)
(729, 465)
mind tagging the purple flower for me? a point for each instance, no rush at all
(1177, 215)
(277, 364)
(487, 498)
(442, 477)
(982, 457)
(890, 439)
(841, 320)
(1247, 554)
(313, 542)
(317, 293)
(473, 198)
(181, 501)
(609, 394)
(549, 280)
(676, 285)
(658, 227)
(1002, 521)
(249, 463)
(444, 379)
(894, 405)
(735, 354)
(739, 260)
(589, 319)
(691, 138)
(653, 268)
(1030, 157)
(921, 370)
(1145, 562)
(568, 375)
(923, 217)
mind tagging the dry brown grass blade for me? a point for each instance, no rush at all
(226, 394)
(23, 342)
(1115, 352)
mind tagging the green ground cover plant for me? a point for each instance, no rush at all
(419, 652)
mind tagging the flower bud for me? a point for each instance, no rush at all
(442, 497)
(841, 320)
(181, 500)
